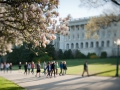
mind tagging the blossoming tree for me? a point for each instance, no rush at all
(30, 21)
(95, 23)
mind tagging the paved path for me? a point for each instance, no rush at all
(68, 82)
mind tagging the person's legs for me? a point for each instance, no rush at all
(51, 72)
(87, 72)
(60, 71)
(56, 71)
(83, 72)
(65, 71)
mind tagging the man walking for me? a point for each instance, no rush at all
(85, 68)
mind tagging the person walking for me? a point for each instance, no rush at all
(25, 68)
(64, 67)
(85, 68)
(7, 66)
(29, 67)
(10, 67)
(38, 67)
(1, 66)
(20, 67)
(32, 67)
(48, 69)
(4, 66)
(61, 68)
(53, 68)
(56, 67)
(44, 67)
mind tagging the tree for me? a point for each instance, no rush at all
(50, 50)
(31, 21)
(60, 54)
(95, 23)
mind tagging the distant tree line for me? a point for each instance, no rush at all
(25, 54)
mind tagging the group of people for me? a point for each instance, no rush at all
(49, 68)
(6, 67)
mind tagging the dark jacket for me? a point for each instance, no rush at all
(25, 66)
(64, 66)
(48, 67)
(61, 65)
(53, 66)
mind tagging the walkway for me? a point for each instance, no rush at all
(68, 82)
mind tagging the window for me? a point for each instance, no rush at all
(82, 35)
(72, 27)
(58, 38)
(86, 44)
(77, 27)
(97, 44)
(72, 46)
(82, 26)
(69, 37)
(108, 43)
(109, 33)
(78, 36)
(73, 37)
(102, 44)
(81, 45)
(77, 46)
(115, 34)
(67, 46)
(103, 33)
(91, 45)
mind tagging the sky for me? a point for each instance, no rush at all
(72, 7)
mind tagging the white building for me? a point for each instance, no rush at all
(77, 40)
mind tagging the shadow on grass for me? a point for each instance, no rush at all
(94, 74)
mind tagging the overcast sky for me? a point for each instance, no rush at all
(72, 7)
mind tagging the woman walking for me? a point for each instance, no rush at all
(38, 67)
(48, 70)
(10, 67)
(25, 68)
(32, 67)
(1, 67)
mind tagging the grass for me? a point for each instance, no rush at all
(99, 67)
(8, 85)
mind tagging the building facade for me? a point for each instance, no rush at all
(76, 39)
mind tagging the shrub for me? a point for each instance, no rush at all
(93, 56)
(79, 55)
(103, 54)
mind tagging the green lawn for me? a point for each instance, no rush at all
(8, 85)
(100, 67)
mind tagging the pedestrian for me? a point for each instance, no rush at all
(7, 66)
(10, 67)
(4, 66)
(29, 67)
(20, 67)
(38, 67)
(85, 69)
(25, 68)
(61, 68)
(32, 67)
(56, 67)
(48, 69)
(1, 67)
(64, 67)
(44, 67)
(53, 68)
